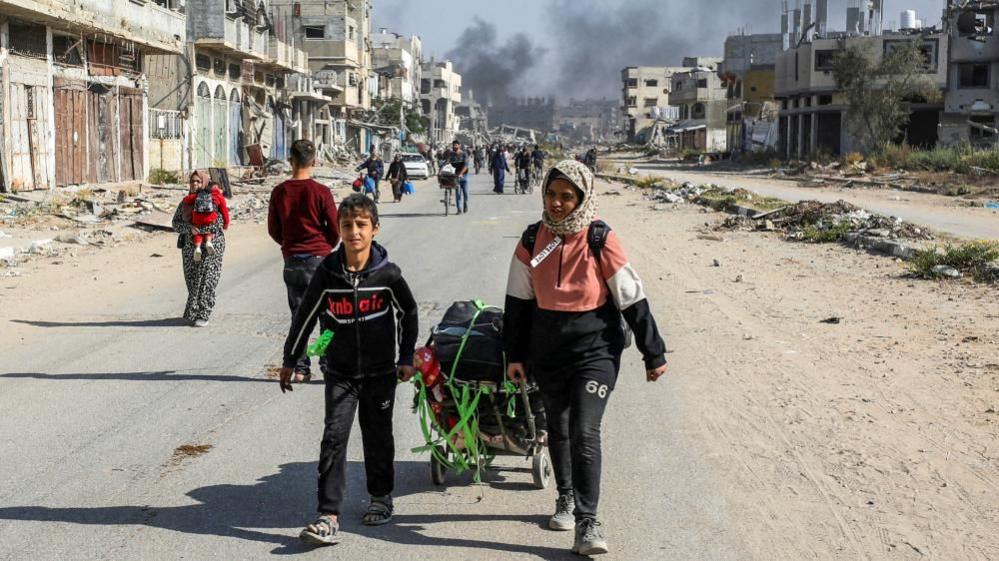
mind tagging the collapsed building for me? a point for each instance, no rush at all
(701, 97)
(535, 113)
(749, 72)
(588, 120)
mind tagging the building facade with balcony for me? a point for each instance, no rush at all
(336, 35)
(813, 110)
(700, 97)
(440, 95)
(971, 104)
(645, 92)
(397, 60)
(75, 95)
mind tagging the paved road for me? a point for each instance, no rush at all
(937, 212)
(96, 395)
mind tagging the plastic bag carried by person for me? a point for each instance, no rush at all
(358, 184)
(408, 188)
(369, 185)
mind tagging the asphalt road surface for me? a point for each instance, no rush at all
(97, 394)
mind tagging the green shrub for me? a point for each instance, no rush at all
(972, 258)
(159, 176)
(814, 234)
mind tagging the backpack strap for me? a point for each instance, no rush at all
(530, 237)
(596, 238)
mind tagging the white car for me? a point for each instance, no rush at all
(416, 166)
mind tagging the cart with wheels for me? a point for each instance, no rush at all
(469, 412)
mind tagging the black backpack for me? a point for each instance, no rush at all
(596, 238)
(469, 342)
(204, 203)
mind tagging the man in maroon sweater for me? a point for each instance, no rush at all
(302, 220)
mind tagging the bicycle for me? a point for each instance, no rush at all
(448, 183)
(523, 182)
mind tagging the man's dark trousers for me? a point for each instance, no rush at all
(298, 271)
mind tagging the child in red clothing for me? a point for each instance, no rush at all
(207, 203)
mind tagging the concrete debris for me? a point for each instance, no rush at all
(4, 235)
(7, 252)
(633, 171)
(13, 274)
(39, 247)
(811, 220)
(71, 239)
(946, 271)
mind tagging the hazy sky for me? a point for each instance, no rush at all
(576, 48)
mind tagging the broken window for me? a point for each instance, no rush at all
(632, 101)
(824, 59)
(987, 125)
(697, 111)
(315, 32)
(631, 83)
(927, 48)
(234, 71)
(424, 86)
(825, 99)
(203, 62)
(702, 83)
(652, 83)
(66, 50)
(651, 102)
(972, 23)
(28, 40)
(219, 66)
(973, 75)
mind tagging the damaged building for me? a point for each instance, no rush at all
(75, 92)
(971, 103)
(440, 95)
(588, 120)
(748, 72)
(813, 110)
(534, 113)
(701, 99)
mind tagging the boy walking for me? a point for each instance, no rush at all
(302, 220)
(369, 305)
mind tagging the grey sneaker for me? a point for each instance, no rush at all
(589, 539)
(563, 520)
(201, 323)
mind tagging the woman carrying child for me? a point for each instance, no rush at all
(202, 265)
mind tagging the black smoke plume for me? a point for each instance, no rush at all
(594, 39)
(492, 70)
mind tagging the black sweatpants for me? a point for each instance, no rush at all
(375, 397)
(298, 272)
(575, 400)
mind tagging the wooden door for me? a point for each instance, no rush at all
(29, 129)
(102, 130)
(132, 160)
(71, 133)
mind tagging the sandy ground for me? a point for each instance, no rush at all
(949, 215)
(875, 438)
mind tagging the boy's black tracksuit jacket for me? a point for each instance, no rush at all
(371, 312)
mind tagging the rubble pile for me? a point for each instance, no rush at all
(800, 220)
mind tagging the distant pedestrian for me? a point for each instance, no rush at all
(458, 159)
(397, 176)
(371, 331)
(376, 171)
(500, 166)
(302, 220)
(201, 271)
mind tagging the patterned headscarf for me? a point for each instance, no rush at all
(205, 180)
(582, 178)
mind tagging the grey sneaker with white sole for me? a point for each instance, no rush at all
(563, 519)
(589, 539)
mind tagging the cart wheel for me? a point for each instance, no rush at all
(438, 469)
(541, 470)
